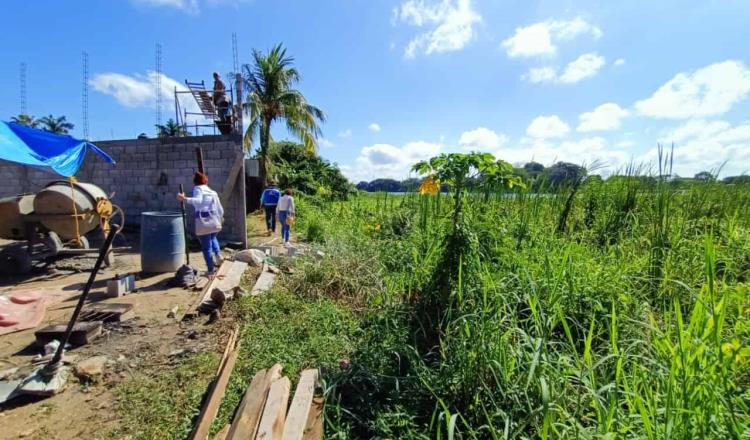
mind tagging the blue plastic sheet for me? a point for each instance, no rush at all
(29, 146)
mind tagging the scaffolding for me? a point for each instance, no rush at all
(228, 122)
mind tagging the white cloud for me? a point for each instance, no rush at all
(325, 143)
(482, 139)
(374, 127)
(708, 91)
(607, 116)
(625, 144)
(541, 75)
(547, 127)
(540, 39)
(585, 66)
(344, 134)
(451, 24)
(702, 145)
(185, 5)
(583, 151)
(138, 91)
(389, 161)
(620, 62)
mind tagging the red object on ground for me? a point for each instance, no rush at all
(25, 309)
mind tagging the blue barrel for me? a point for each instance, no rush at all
(162, 242)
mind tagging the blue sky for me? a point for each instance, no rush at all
(403, 80)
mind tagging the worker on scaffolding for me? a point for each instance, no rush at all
(220, 98)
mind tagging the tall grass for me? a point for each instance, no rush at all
(490, 324)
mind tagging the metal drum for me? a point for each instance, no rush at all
(54, 204)
(162, 242)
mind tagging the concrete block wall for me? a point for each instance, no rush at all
(148, 174)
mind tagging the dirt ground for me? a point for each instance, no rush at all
(150, 339)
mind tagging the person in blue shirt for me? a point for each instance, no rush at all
(268, 200)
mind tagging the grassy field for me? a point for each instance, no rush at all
(615, 310)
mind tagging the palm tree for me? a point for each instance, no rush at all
(271, 96)
(56, 125)
(171, 129)
(24, 119)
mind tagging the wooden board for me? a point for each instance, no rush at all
(226, 192)
(247, 417)
(232, 279)
(222, 435)
(314, 425)
(217, 390)
(296, 419)
(82, 334)
(274, 414)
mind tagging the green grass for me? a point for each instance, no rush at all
(629, 322)
(158, 404)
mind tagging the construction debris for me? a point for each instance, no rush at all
(82, 334)
(89, 368)
(119, 286)
(251, 256)
(113, 312)
(264, 282)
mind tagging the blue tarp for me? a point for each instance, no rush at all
(29, 146)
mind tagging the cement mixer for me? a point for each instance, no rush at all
(53, 222)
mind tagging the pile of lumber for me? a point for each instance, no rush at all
(264, 412)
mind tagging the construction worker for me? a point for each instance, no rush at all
(268, 200)
(220, 98)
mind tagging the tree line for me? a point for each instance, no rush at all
(537, 177)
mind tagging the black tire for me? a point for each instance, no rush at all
(15, 260)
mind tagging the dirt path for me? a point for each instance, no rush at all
(150, 341)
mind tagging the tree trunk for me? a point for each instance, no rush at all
(265, 135)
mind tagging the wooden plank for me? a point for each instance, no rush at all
(216, 393)
(296, 419)
(222, 435)
(247, 417)
(314, 425)
(231, 181)
(232, 279)
(274, 414)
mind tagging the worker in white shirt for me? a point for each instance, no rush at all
(209, 215)
(285, 210)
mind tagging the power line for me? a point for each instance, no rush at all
(22, 77)
(157, 83)
(85, 95)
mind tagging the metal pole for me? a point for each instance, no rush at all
(99, 261)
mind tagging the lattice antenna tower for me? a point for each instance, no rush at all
(235, 56)
(85, 95)
(157, 84)
(22, 78)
